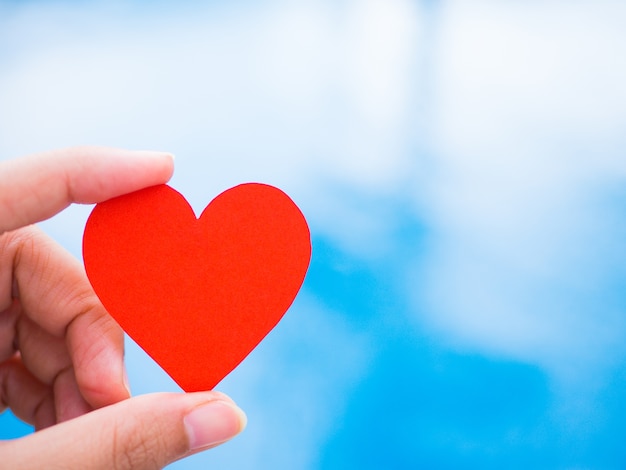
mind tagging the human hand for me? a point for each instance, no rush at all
(61, 354)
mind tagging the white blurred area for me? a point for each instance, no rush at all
(529, 246)
(501, 124)
(296, 94)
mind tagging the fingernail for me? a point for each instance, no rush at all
(213, 423)
(151, 154)
(170, 155)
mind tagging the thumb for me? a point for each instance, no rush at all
(146, 432)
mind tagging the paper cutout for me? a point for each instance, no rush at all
(197, 295)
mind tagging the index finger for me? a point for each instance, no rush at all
(36, 187)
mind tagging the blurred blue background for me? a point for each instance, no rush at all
(462, 166)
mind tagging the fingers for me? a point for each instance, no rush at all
(68, 399)
(8, 319)
(29, 399)
(36, 402)
(37, 187)
(42, 353)
(96, 345)
(56, 296)
(146, 432)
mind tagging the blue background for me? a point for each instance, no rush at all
(462, 166)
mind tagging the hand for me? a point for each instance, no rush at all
(61, 354)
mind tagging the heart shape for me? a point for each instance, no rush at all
(197, 294)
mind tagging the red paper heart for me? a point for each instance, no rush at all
(197, 295)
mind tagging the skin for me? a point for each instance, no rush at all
(61, 354)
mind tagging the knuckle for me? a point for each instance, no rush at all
(134, 448)
(26, 243)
